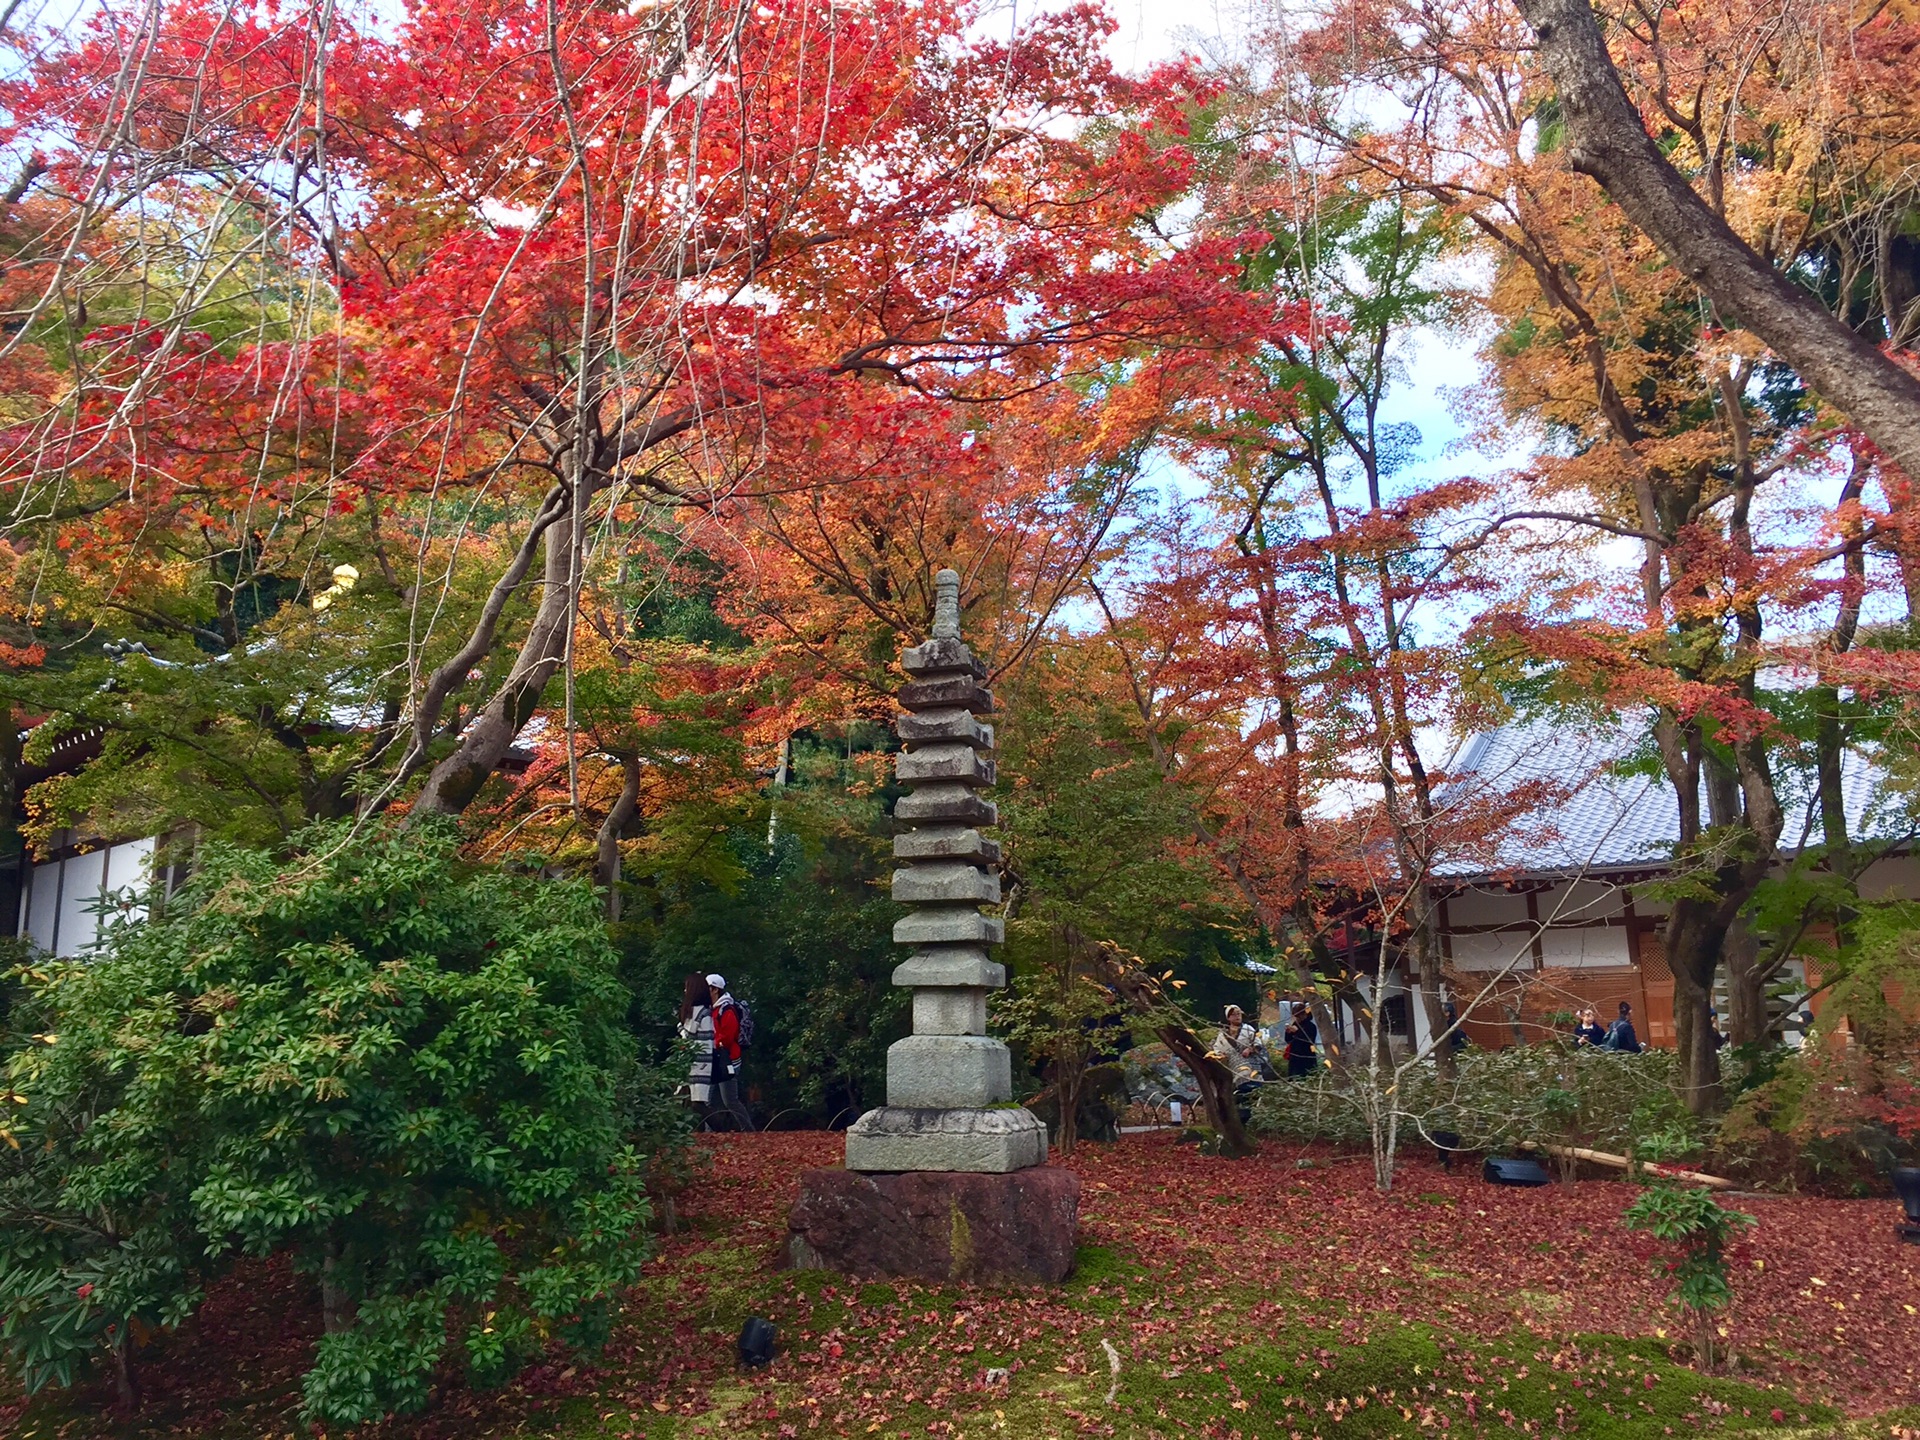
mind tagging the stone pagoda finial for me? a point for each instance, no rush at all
(949, 1082)
(946, 605)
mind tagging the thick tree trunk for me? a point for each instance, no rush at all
(1216, 1088)
(126, 1384)
(1696, 936)
(1747, 977)
(1067, 1076)
(1143, 993)
(10, 842)
(336, 1305)
(1607, 140)
(1424, 944)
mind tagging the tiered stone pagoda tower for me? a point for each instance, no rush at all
(944, 1078)
(947, 1180)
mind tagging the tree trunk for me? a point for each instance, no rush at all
(1427, 958)
(1695, 938)
(606, 870)
(1143, 993)
(1747, 978)
(126, 1384)
(336, 1306)
(1067, 1075)
(1607, 140)
(1216, 1089)
(487, 738)
(9, 784)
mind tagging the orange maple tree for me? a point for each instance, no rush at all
(459, 301)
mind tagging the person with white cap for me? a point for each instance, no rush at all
(726, 1051)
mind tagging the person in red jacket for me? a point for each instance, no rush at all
(726, 1052)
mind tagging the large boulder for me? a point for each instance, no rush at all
(937, 1225)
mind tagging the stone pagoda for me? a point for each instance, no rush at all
(947, 1180)
(944, 1079)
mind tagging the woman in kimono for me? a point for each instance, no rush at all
(696, 1025)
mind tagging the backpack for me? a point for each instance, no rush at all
(745, 1012)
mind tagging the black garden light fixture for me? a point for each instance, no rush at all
(756, 1343)
(1906, 1184)
(1514, 1172)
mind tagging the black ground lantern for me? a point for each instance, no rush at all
(756, 1343)
(1514, 1172)
(1906, 1184)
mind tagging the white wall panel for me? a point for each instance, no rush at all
(1589, 946)
(1492, 951)
(79, 897)
(43, 902)
(129, 870)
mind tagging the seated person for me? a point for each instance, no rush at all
(1589, 1034)
(1237, 1046)
(1620, 1034)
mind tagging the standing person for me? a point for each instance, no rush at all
(1620, 1034)
(1303, 1041)
(726, 1052)
(696, 1025)
(1589, 1034)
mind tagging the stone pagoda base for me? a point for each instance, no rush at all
(994, 1142)
(1017, 1227)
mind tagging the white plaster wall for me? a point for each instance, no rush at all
(1486, 907)
(1492, 952)
(1586, 947)
(1895, 878)
(1581, 902)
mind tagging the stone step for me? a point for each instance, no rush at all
(956, 966)
(958, 764)
(947, 843)
(990, 1141)
(939, 657)
(945, 803)
(962, 691)
(948, 926)
(934, 726)
(945, 884)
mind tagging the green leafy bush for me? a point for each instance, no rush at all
(406, 1072)
(1312, 1107)
(1555, 1095)
(1696, 1230)
(1835, 1117)
(1498, 1100)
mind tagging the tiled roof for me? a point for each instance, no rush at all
(1606, 820)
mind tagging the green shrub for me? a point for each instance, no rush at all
(1696, 1230)
(402, 1071)
(1498, 1100)
(1311, 1107)
(1832, 1117)
(1554, 1095)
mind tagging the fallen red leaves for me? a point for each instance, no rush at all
(1825, 1293)
(1826, 1297)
